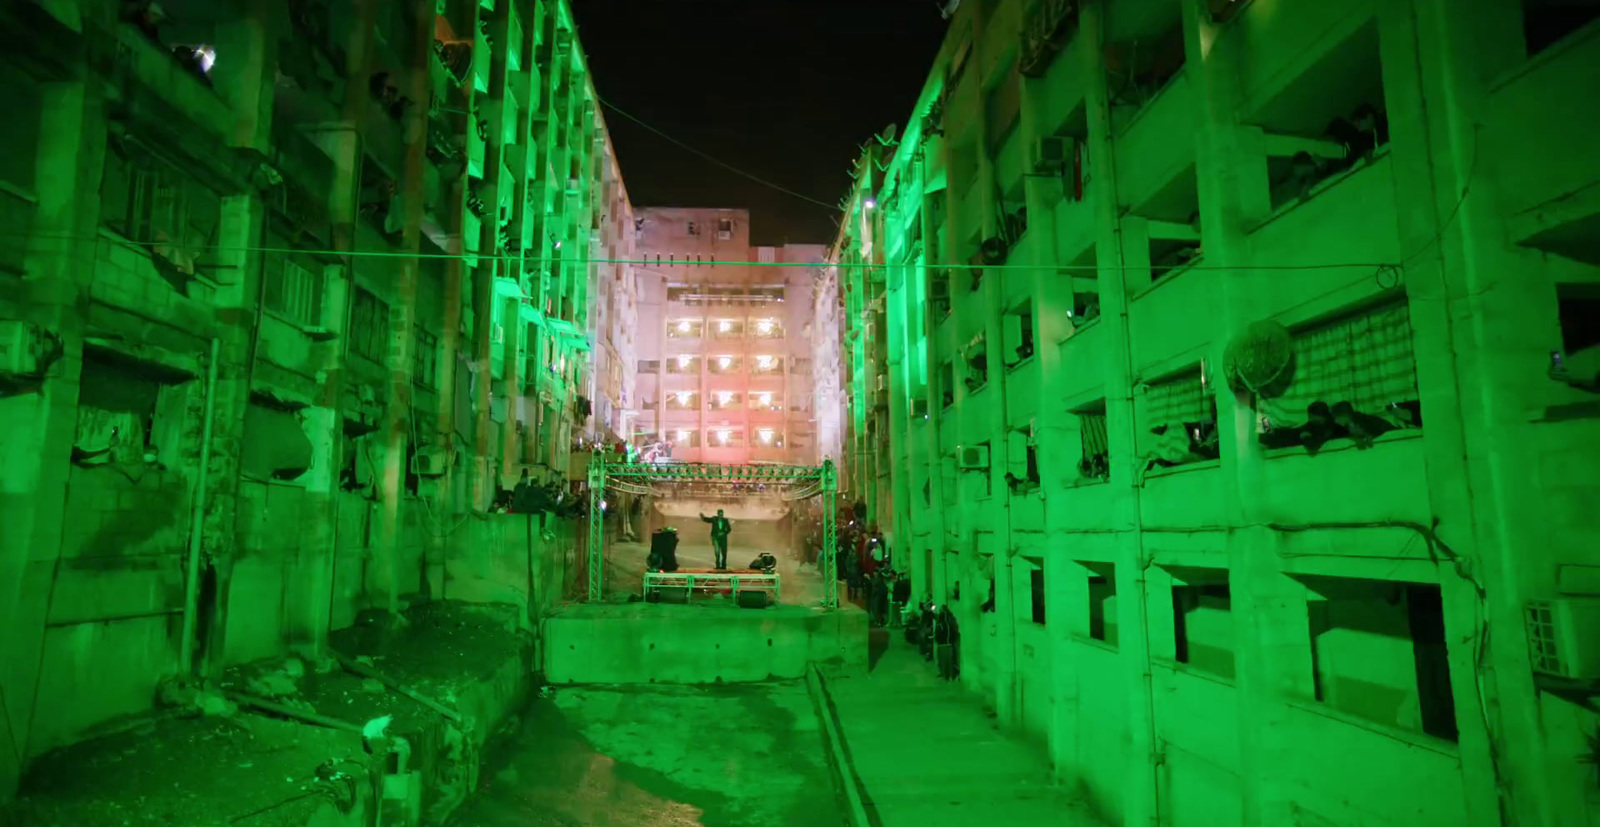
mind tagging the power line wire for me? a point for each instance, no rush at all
(713, 159)
(533, 260)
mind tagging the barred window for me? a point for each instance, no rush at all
(293, 291)
(426, 370)
(369, 326)
(1365, 359)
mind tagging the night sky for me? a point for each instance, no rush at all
(783, 89)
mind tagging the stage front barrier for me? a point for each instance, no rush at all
(707, 582)
(658, 643)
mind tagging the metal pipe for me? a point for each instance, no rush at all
(191, 585)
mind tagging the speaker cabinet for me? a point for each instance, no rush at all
(754, 599)
(670, 594)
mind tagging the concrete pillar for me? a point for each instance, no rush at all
(40, 427)
(1269, 608)
(1116, 238)
(926, 585)
(1481, 351)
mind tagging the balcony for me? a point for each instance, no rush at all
(1554, 206)
(1276, 43)
(1173, 317)
(1083, 362)
(1391, 476)
(1155, 148)
(1350, 217)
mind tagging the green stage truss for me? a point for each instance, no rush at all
(816, 480)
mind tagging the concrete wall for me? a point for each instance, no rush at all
(1269, 664)
(655, 643)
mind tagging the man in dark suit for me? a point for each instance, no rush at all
(721, 527)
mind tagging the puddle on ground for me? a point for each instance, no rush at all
(738, 756)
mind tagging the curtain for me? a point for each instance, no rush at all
(1365, 359)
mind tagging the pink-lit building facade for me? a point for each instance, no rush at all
(725, 341)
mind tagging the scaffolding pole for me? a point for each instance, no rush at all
(597, 524)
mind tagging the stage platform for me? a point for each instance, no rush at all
(633, 643)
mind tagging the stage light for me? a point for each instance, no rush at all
(602, 505)
(870, 202)
(683, 327)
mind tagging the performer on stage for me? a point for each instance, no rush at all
(721, 527)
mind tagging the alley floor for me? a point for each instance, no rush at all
(735, 756)
(928, 755)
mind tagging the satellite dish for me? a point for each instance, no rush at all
(891, 133)
(1260, 360)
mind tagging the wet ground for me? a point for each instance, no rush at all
(736, 756)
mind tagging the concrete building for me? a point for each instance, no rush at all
(280, 314)
(1120, 251)
(725, 370)
(614, 313)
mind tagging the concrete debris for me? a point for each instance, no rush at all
(295, 668)
(373, 685)
(214, 705)
(376, 727)
(273, 685)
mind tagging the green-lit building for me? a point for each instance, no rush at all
(1096, 286)
(288, 292)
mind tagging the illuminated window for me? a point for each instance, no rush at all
(769, 438)
(725, 364)
(681, 401)
(765, 401)
(768, 364)
(722, 400)
(686, 438)
(729, 328)
(683, 363)
(685, 329)
(727, 437)
(768, 329)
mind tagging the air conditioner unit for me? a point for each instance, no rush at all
(972, 457)
(1053, 154)
(429, 462)
(1561, 636)
(724, 235)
